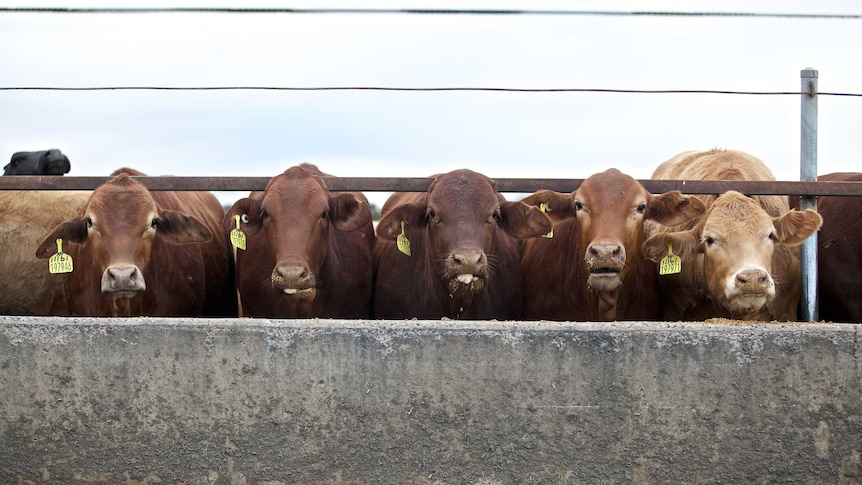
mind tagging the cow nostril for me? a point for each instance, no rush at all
(292, 272)
(753, 276)
(468, 258)
(611, 251)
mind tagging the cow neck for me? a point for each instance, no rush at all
(607, 304)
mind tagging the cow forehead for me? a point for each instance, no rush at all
(124, 202)
(462, 193)
(733, 213)
(306, 192)
(613, 189)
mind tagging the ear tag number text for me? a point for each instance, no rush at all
(671, 264)
(60, 262)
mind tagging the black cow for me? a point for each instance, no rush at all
(43, 162)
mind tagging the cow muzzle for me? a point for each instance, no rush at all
(605, 261)
(749, 290)
(296, 281)
(467, 269)
(123, 281)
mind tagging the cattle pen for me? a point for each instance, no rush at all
(268, 401)
(160, 400)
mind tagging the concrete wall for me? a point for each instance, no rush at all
(148, 401)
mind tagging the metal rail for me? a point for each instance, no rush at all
(396, 184)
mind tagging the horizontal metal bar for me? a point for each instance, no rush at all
(395, 184)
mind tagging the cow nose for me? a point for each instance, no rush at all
(606, 254)
(291, 274)
(123, 278)
(755, 278)
(468, 260)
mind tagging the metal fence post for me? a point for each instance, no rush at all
(808, 172)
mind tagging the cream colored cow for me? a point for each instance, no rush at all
(740, 259)
(26, 216)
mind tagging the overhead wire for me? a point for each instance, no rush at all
(424, 11)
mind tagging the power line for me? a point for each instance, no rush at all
(416, 89)
(604, 13)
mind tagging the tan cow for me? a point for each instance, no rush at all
(26, 286)
(740, 259)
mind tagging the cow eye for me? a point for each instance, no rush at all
(431, 215)
(579, 206)
(709, 241)
(324, 216)
(497, 216)
(89, 223)
(154, 223)
(641, 208)
(773, 237)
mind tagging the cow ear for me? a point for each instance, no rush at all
(349, 213)
(682, 244)
(672, 208)
(522, 221)
(249, 212)
(174, 227)
(558, 206)
(413, 216)
(796, 226)
(73, 230)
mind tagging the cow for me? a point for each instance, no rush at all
(44, 162)
(137, 252)
(26, 286)
(452, 251)
(307, 250)
(591, 267)
(740, 259)
(839, 254)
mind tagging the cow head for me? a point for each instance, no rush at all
(44, 162)
(736, 239)
(296, 212)
(611, 208)
(117, 230)
(461, 214)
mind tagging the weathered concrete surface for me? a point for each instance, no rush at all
(280, 402)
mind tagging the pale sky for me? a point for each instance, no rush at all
(410, 134)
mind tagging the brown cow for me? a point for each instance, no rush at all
(839, 253)
(26, 286)
(740, 259)
(313, 256)
(137, 252)
(592, 267)
(463, 260)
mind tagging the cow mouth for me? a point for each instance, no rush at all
(123, 295)
(299, 294)
(747, 302)
(604, 279)
(467, 282)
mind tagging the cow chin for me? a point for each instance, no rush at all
(466, 283)
(747, 302)
(607, 281)
(123, 295)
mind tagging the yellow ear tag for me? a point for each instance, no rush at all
(237, 237)
(402, 241)
(60, 262)
(544, 208)
(671, 263)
